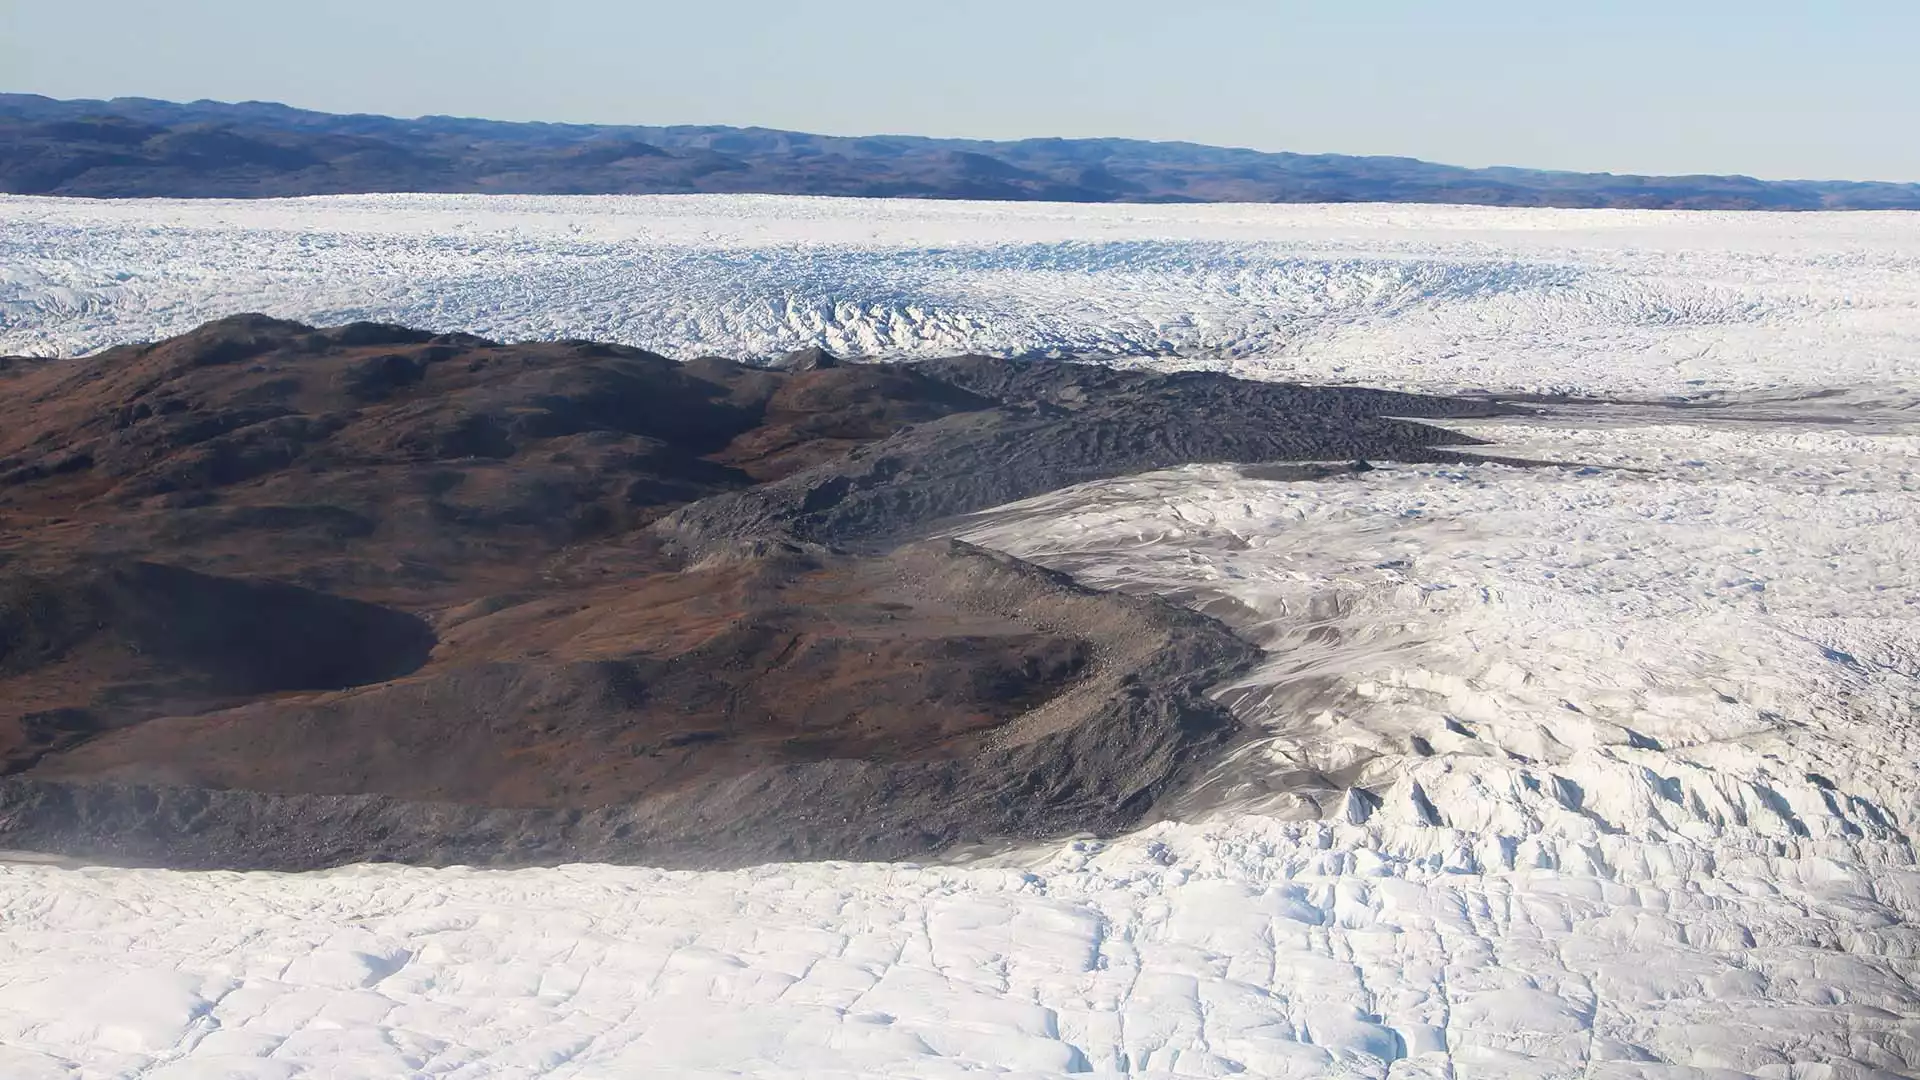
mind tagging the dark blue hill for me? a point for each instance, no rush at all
(137, 147)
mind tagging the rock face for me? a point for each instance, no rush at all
(279, 596)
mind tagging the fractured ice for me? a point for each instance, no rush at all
(1604, 770)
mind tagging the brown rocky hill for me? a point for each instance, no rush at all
(273, 595)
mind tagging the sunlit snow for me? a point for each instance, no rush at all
(1605, 770)
(1431, 297)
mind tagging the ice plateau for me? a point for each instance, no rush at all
(1601, 769)
(1436, 298)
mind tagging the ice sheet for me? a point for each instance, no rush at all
(1602, 771)
(1443, 298)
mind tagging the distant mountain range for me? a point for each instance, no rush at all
(137, 147)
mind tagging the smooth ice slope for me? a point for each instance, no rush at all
(1417, 297)
(1606, 771)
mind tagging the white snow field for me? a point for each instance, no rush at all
(1426, 297)
(1604, 771)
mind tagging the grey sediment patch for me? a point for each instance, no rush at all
(1064, 424)
(1288, 472)
(1867, 408)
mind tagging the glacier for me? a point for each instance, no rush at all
(1601, 768)
(1431, 298)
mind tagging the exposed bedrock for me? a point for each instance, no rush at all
(277, 596)
(333, 780)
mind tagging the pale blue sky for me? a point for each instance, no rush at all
(1771, 88)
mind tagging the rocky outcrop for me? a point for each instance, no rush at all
(278, 596)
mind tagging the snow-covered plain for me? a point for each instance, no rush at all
(1601, 771)
(1427, 297)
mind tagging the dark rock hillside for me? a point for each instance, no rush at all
(273, 595)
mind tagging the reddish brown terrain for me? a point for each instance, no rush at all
(481, 590)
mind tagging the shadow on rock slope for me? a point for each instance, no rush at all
(280, 596)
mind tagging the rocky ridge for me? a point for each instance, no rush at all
(279, 596)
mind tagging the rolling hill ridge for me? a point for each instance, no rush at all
(138, 147)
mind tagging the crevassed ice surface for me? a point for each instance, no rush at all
(1598, 771)
(1431, 297)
